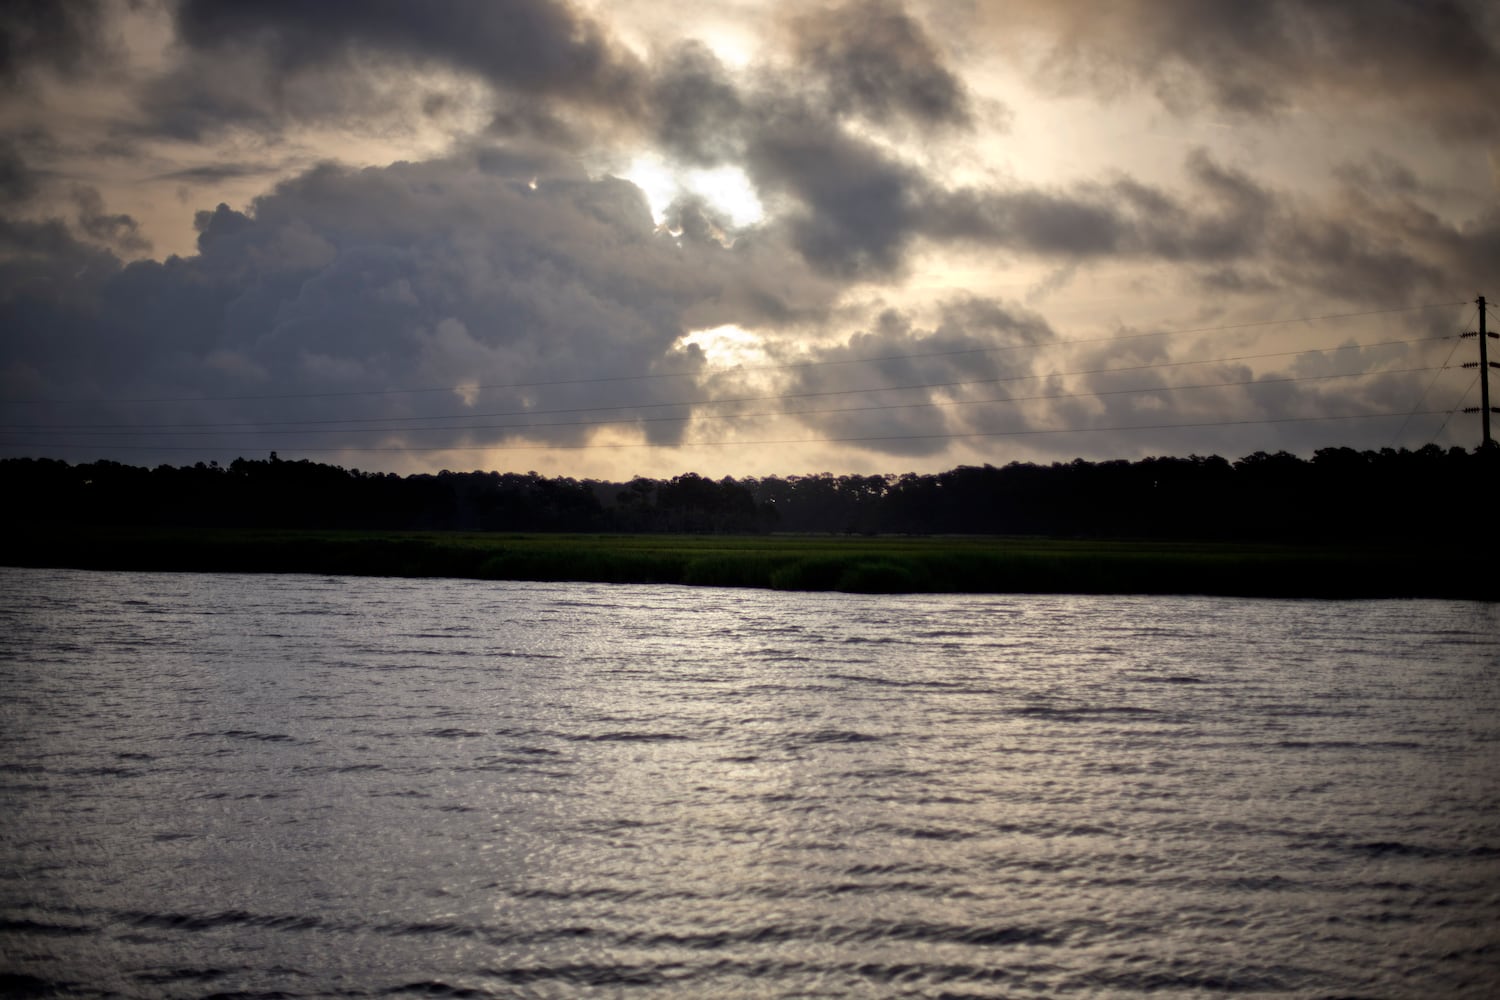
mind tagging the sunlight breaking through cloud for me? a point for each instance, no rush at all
(227, 227)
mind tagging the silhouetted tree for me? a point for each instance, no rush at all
(1338, 493)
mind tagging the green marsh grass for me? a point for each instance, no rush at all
(856, 564)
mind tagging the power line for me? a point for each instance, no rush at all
(1448, 414)
(816, 441)
(631, 421)
(741, 369)
(964, 383)
(1423, 398)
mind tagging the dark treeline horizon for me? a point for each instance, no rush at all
(1338, 493)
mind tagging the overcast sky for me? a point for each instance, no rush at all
(623, 237)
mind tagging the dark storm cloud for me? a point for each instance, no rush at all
(850, 201)
(1081, 223)
(513, 262)
(114, 229)
(1240, 209)
(215, 173)
(856, 205)
(265, 64)
(418, 275)
(522, 121)
(1272, 397)
(877, 62)
(852, 205)
(1214, 391)
(1381, 173)
(897, 376)
(1071, 388)
(48, 282)
(1372, 242)
(1377, 243)
(858, 209)
(700, 114)
(1376, 240)
(531, 46)
(63, 36)
(45, 260)
(996, 377)
(855, 210)
(866, 61)
(1222, 217)
(17, 180)
(1439, 58)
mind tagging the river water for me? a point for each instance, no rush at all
(279, 786)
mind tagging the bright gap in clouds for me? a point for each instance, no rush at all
(726, 189)
(726, 346)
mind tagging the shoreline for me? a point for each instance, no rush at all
(856, 564)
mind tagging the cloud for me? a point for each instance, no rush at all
(530, 46)
(263, 65)
(902, 389)
(60, 36)
(465, 229)
(352, 285)
(1438, 61)
(856, 210)
(267, 63)
(116, 230)
(878, 62)
(17, 180)
(699, 112)
(216, 173)
(854, 205)
(1366, 244)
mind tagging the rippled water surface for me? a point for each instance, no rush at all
(301, 787)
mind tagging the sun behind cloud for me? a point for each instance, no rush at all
(726, 189)
(943, 232)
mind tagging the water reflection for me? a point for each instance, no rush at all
(383, 787)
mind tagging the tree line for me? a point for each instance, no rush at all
(1337, 493)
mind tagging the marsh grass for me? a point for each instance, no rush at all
(856, 564)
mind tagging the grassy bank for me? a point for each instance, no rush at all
(866, 565)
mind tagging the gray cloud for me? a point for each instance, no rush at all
(852, 201)
(117, 229)
(215, 173)
(263, 65)
(1082, 223)
(868, 61)
(1374, 244)
(699, 113)
(18, 181)
(998, 380)
(858, 210)
(856, 204)
(531, 46)
(878, 62)
(1440, 59)
(458, 270)
(1226, 221)
(361, 282)
(61, 36)
(898, 375)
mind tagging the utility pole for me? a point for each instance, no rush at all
(1484, 408)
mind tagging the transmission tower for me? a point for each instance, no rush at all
(1484, 364)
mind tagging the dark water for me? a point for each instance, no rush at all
(300, 787)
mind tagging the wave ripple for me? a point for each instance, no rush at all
(258, 787)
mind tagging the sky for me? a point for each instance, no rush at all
(742, 237)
